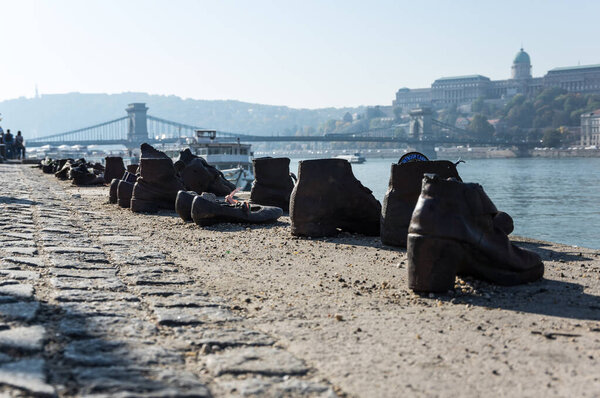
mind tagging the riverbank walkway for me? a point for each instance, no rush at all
(98, 301)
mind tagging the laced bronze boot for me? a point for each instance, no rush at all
(199, 176)
(328, 197)
(452, 231)
(206, 210)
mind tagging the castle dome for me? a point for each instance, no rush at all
(522, 58)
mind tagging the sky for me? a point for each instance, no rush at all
(303, 54)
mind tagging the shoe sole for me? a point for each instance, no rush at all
(314, 230)
(126, 204)
(143, 206)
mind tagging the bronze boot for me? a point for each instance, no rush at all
(112, 191)
(114, 185)
(183, 204)
(452, 231)
(81, 175)
(328, 197)
(402, 194)
(206, 210)
(114, 168)
(65, 165)
(124, 192)
(273, 184)
(157, 185)
(199, 176)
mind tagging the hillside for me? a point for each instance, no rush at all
(57, 113)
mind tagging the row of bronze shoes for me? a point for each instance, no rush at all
(195, 189)
(79, 171)
(448, 227)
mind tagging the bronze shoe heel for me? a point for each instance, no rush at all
(432, 263)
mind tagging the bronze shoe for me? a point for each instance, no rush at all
(452, 231)
(402, 194)
(209, 212)
(328, 197)
(114, 168)
(157, 185)
(273, 183)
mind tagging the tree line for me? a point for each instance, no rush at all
(545, 117)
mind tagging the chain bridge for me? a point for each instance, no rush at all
(138, 127)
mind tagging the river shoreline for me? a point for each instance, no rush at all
(450, 153)
(329, 317)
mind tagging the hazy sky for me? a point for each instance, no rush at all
(297, 53)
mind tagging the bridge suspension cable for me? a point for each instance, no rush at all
(452, 128)
(108, 131)
(170, 129)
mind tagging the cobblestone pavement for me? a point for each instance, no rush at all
(90, 309)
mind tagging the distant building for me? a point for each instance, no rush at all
(590, 128)
(465, 89)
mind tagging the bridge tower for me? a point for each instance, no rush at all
(137, 130)
(421, 130)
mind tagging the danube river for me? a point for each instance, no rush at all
(556, 200)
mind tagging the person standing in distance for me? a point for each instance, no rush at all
(19, 146)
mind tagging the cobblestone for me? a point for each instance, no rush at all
(113, 317)
(86, 295)
(19, 274)
(193, 316)
(97, 326)
(27, 261)
(258, 360)
(27, 374)
(184, 300)
(81, 283)
(276, 387)
(23, 311)
(86, 273)
(99, 352)
(28, 338)
(224, 337)
(21, 291)
(20, 250)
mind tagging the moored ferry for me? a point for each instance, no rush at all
(354, 158)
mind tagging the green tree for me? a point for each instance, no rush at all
(480, 126)
(374, 111)
(347, 118)
(521, 112)
(551, 138)
(449, 115)
(329, 126)
(480, 106)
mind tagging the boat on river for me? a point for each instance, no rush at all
(354, 158)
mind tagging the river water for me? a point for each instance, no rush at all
(556, 200)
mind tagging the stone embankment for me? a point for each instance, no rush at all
(98, 301)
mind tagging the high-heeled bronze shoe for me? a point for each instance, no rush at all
(452, 231)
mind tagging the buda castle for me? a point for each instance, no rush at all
(466, 89)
